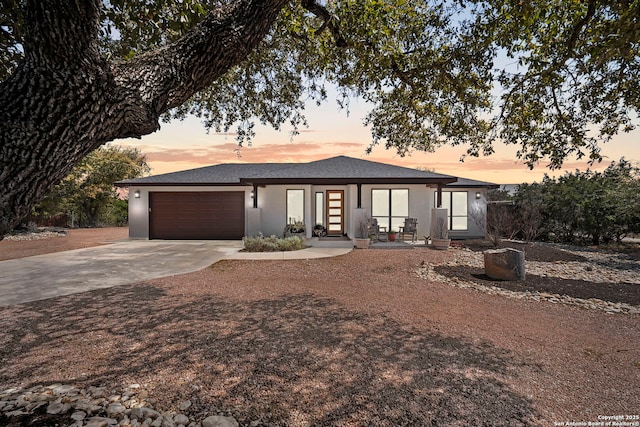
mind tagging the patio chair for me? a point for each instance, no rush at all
(410, 227)
(373, 229)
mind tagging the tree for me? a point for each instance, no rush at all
(580, 206)
(88, 190)
(529, 210)
(79, 73)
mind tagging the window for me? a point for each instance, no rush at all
(390, 207)
(456, 203)
(320, 208)
(295, 206)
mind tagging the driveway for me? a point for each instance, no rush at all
(63, 273)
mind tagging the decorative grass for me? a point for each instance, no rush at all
(261, 243)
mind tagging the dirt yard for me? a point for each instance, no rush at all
(356, 340)
(21, 245)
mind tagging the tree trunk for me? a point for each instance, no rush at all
(65, 100)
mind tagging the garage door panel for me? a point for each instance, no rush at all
(196, 215)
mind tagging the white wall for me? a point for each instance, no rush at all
(272, 202)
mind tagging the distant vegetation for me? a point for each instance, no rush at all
(86, 197)
(579, 207)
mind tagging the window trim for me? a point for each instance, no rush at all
(450, 214)
(288, 217)
(390, 216)
(320, 214)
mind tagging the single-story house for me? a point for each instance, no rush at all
(229, 201)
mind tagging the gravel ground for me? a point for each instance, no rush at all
(22, 245)
(356, 340)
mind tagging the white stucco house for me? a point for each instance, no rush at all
(229, 201)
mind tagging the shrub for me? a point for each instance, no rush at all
(261, 243)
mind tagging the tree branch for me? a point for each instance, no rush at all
(61, 32)
(169, 76)
(330, 21)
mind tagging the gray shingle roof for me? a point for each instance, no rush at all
(340, 169)
(343, 167)
(225, 174)
(471, 183)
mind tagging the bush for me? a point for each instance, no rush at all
(273, 244)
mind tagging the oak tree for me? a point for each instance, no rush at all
(88, 192)
(558, 78)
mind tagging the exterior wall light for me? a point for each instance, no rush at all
(136, 194)
(478, 195)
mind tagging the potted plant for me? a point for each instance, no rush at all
(441, 238)
(392, 235)
(361, 241)
(319, 230)
(295, 229)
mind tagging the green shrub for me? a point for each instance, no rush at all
(261, 243)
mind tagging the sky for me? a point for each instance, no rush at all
(182, 145)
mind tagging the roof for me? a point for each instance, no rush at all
(335, 170)
(225, 174)
(472, 183)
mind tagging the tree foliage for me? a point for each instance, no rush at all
(582, 206)
(88, 194)
(557, 78)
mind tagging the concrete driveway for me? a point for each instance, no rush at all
(63, 273)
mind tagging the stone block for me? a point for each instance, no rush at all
(504, 264)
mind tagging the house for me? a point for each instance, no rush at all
(229, 201)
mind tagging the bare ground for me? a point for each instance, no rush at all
(74, 239)
(354, 340)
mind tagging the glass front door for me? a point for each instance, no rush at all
(335, 212)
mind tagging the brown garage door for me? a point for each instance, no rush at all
(196, 215)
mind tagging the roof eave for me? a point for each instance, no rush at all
(345, 181)
(178, 184)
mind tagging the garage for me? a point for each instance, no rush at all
(207, 215)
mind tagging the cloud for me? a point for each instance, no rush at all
(171, 158)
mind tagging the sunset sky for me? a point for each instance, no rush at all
(186, 145)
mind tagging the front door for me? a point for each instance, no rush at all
(335, 212)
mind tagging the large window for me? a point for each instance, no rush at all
(390, 207)
(295, 206)
(456, 203)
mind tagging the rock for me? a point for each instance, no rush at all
(56, 408)
(144, 413)
(101, 422)
(115, 409)
(167, 421)
(185, 405)
(181, 419)
(64, 389)
(220, 421)
(504, 264)
(78, 415)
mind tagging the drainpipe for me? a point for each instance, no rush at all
(359, 195)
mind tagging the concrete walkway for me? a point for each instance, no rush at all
(63, 273)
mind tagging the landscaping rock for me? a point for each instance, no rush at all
(219, 421)
(504, 264)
